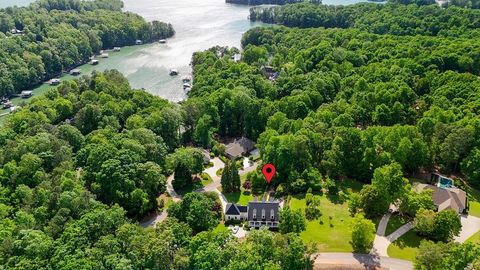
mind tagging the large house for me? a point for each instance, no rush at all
(446, 196)
(239, 147)
(257, 213)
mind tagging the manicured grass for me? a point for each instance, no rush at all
(220, 227)
(396, 221)
(474, 201)
(206, 179)
(242, 197)
(405, 247)
(330, 235)
(474, 238)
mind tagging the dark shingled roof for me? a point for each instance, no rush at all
(232, 209)
(260, 205)
(242, 209)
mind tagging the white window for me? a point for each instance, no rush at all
(263, 213)
(254, 213)
(272, 214)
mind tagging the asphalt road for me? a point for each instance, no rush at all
(365, 261)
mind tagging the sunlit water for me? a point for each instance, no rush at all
(199, 25)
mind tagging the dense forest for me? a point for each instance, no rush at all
(263, 2)
(57, 35)
(395, 19)
(374, 103)
(79, 161)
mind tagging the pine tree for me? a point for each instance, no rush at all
(235, 177)
(183, 176)
(226, 179)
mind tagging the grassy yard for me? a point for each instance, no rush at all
(396, 221)
(474, 201)
(474, 238)
(334, 234)
(405, 247)
(242, 197)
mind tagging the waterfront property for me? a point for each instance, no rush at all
(257, 213)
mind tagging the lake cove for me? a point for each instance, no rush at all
(199, 25)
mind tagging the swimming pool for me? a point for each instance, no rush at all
(445, 182)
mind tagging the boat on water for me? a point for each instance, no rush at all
(94, 62)
(116, 49)
(162, 41)
(186, 78)
(173, 72)
(104, 55)
(186, 86)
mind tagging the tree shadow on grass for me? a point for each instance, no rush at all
(408, 240)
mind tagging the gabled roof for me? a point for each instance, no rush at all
(268, 206)
(239, 147)
(242, 209)
(231, 209)
(446, 198)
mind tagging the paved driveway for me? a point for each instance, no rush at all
(470, 226)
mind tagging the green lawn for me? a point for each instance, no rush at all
(334, 234)
(405, 247)
(396, 221)
(474, 238)
(206, 179)
(242, 197)
(474, 201)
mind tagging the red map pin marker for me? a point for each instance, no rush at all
(268, 171)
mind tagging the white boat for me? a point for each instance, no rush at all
(186, 78)
(116, 49)
(186, 85)
(75, 72)
(104, 55)
(173, 72)
(162, 41)
(94, 62)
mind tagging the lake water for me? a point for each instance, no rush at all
(199, 25)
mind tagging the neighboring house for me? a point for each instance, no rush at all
(257, 213)
(239, 147)
(235, 212)
(446, 197)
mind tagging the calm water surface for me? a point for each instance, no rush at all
(199, 25)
